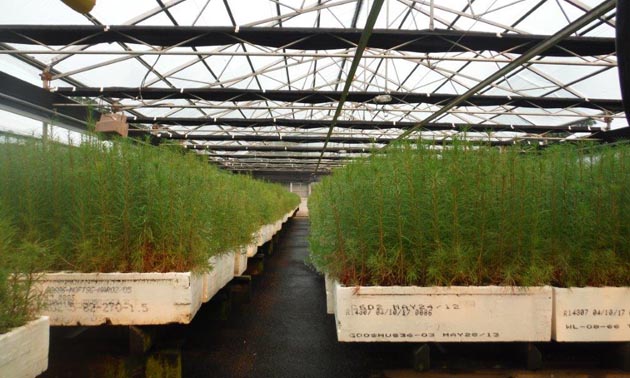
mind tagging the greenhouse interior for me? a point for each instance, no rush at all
(314, 188)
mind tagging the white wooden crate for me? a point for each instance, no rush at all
(266, 233)
(459, 314)
(261, 236)
(330, 294)
(240, 258)
(250, 250)
(141, 298)
(257, 238)
(591, 314)
(121, 298)
(24, 350)
(269, 232)
(277, 227)
(222, 272)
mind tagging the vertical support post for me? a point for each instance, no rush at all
(256, 264)
(386, 60)
(240, 290)
(623, 356)
(623, 52)
(46, 77)
(431, 23)
(220, 306)
(141, 339)
(165, 363)
(267, 249)
(532, 356)
(421, 358)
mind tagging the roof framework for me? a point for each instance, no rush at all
(255, 85)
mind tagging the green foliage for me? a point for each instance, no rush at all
(123, 207)
(17, 301)
(420, 215)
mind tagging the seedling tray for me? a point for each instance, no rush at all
(24, 350)
(591, 314)
(445, 314)
(222, 272)
(90, 299)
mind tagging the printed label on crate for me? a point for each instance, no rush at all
(592, 314)
(468, 314)
(120, 298)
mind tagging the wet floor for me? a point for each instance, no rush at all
(284, 330)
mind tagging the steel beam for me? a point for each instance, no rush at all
(424, 41)
(126, 55)
(306, 124)
(552, 42)
(26, 99)
(278, 148)
(271, 138)
(265, 157)
(318, 97)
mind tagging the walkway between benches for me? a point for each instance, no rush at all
(284, 331)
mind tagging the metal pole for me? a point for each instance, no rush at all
(623, 52)
(431, 12)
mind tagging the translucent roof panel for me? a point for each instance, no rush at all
(302, 49)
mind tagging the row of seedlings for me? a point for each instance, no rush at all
(263, 235)
(121, 233)
(23, 334)
(425, 243)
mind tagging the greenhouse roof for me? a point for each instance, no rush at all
(262, 85)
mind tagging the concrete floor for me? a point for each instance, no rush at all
(284, 331)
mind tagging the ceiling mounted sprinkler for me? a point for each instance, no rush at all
(81, 6)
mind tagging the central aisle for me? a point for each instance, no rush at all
(284, 331)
